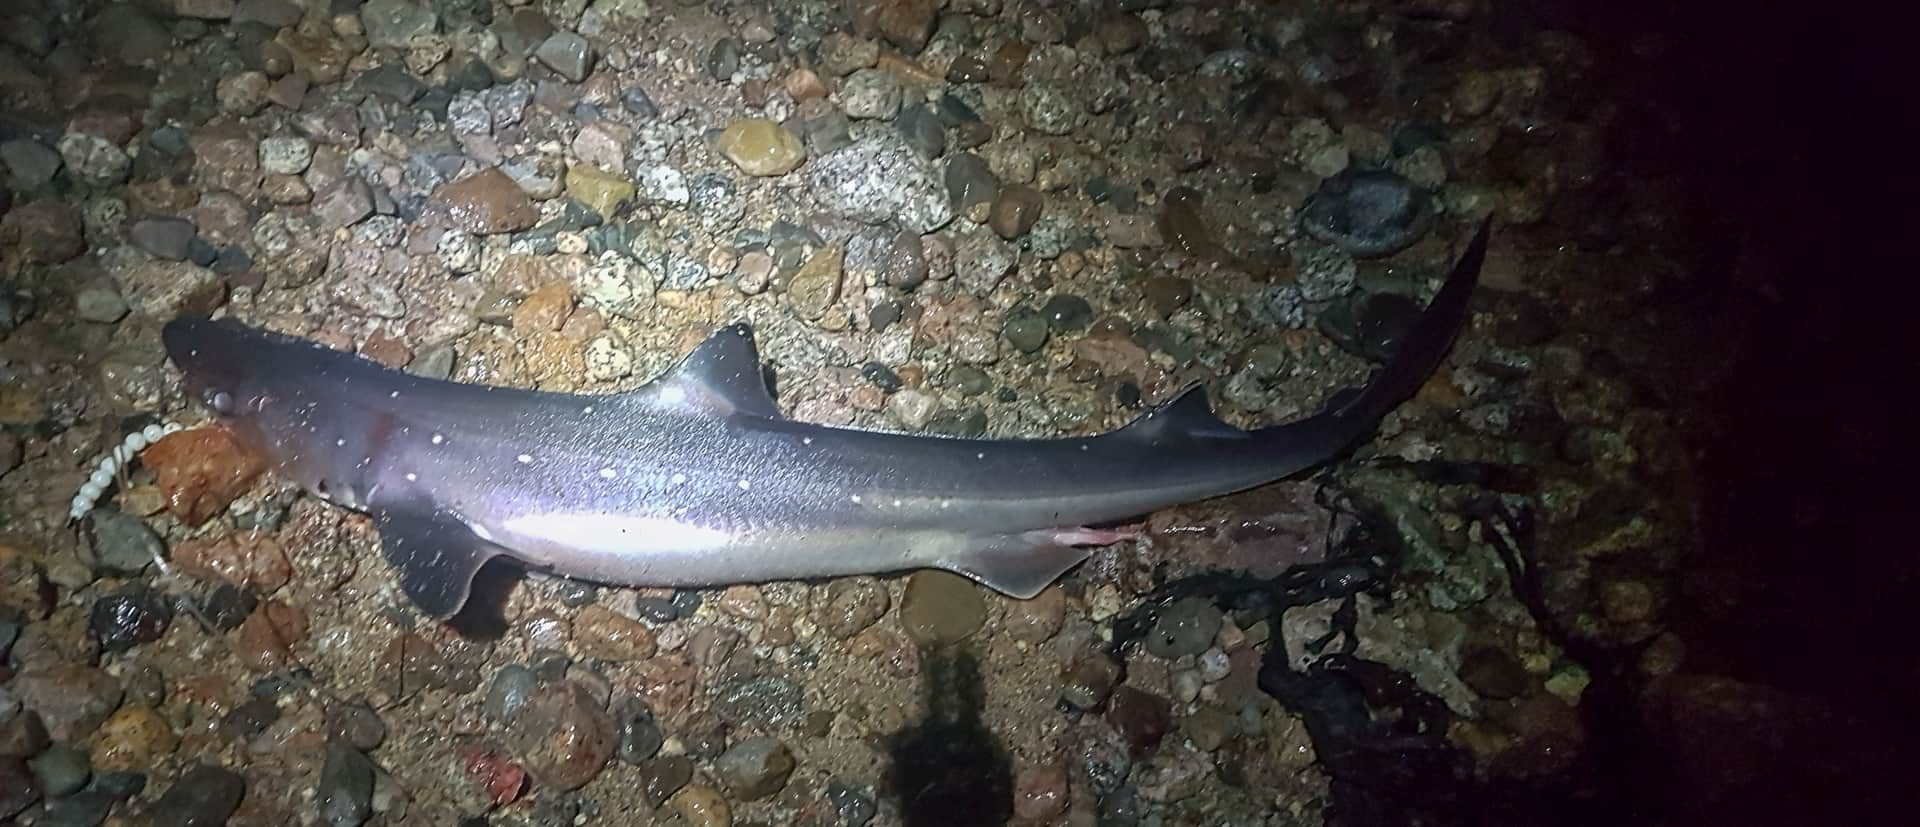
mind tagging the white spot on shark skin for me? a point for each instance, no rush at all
(981, 455)
(437, 439)
(677, 479)
(673, 394)
(340, 443)
(393, 395)
(744, 485)
(608, 473)
(524, 458)
(806, 440)
(586, 410)
(856, 499)
(412, 477)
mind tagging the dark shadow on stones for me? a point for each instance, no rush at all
(484, 618)
(949, 770)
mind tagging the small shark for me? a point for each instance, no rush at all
(696, 479)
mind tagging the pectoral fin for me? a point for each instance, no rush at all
(435, 555)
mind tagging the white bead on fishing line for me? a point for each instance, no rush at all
(110, 464)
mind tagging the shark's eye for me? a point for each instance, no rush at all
(220, 401)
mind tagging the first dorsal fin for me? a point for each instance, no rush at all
(1187, 416)
(721, 376)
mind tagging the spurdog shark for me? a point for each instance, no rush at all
(696, 479)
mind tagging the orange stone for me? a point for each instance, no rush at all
(201, 471)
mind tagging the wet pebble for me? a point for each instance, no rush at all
(855, 806)
(876, 180)
(1492, 672)
(228, 606)
(940, 607)
(563, 736)
(343, 204)
(970, 181)
(766, 701)
(1040, 793)
(661, 777)
(1367, 213)
(22, 735)
(981, 260)
(1025, 329)
(17, 790)
(356, 725)
(870, 94)
(487, 203)
(762, 147)
(165, 238)
(567, 54)
(603, 634)
(1186, 627)
(852, 605)
(912, 409)
(1067, 313)
(509, 691)
(640, 736)
(1141, 717)
(702, 806)
(133, 740)
(61, 770)
(1015, 210)
(201, 471)
(922, 130)
(723, 59)
(72, 700)
(754, 768)
(119, 543)
(345, 791)
(1088, 681)
(1038, 619)
(46, 231)
(205, 796)
(895, 259)
(128, 619)
(30, 164)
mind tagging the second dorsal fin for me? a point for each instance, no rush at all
(1188, 416)
(720, 376)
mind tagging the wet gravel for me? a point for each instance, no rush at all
(964, 218)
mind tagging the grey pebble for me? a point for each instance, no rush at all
(30, 164)
(856, 807)
(60, 770)
(120, 543)
(1067, 313)
(1025, 329)
(1186, 627)
(640, 104)
(723, 59)
(165, 238)
(1367, 213)
(390, 24)
(922, 130)
(357, 725)
(765, 701)
(640, 737)
(100, 303)
(511, 688)
(756, 767)
(345, 792)
(970, 181)
(568, 54)
(205, 796)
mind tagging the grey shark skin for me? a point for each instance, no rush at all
(696, 479)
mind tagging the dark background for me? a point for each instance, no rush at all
(1787, 132)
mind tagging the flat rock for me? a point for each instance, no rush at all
(879, 180)
(164, 290)
(486, 203)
